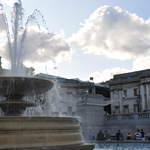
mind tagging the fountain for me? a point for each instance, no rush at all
(20, 132)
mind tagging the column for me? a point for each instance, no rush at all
(120, 100)
(147, 91)
(112, 100)
(142, 95)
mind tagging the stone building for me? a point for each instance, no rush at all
(130, 102)
(85, 100)
(130, 92)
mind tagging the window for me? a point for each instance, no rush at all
(135, 91)
(69, 93)
(70, 110)
(135, 107)
(124, 93)
(117, 110)
(90, 91)
(125, 109)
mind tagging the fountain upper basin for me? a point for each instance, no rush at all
(11, 86)
(15, 88)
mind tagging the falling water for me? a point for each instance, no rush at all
(52, 107)
(17, 34)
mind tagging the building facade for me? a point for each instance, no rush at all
(130, 92)
(130, 102)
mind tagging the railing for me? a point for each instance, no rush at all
(133, 116)
(144, 115)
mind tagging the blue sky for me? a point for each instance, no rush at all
(67, 15)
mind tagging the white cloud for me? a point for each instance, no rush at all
(141, 63)
(114, 32)
(40, 46)
(101, 76)
(8, 2)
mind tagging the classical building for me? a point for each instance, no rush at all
(130, 102)
(130, 92)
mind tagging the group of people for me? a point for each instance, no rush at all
(138, 135)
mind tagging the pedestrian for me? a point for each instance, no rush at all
(100, 136)
(142, 134)
(107, 135)
(119, 135)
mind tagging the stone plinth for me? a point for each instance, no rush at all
(47, 133)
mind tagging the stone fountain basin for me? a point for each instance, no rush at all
(59, 133)
(14, 86)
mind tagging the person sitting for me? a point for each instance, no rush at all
(142, 134)
(129, 136)
(137, 135)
